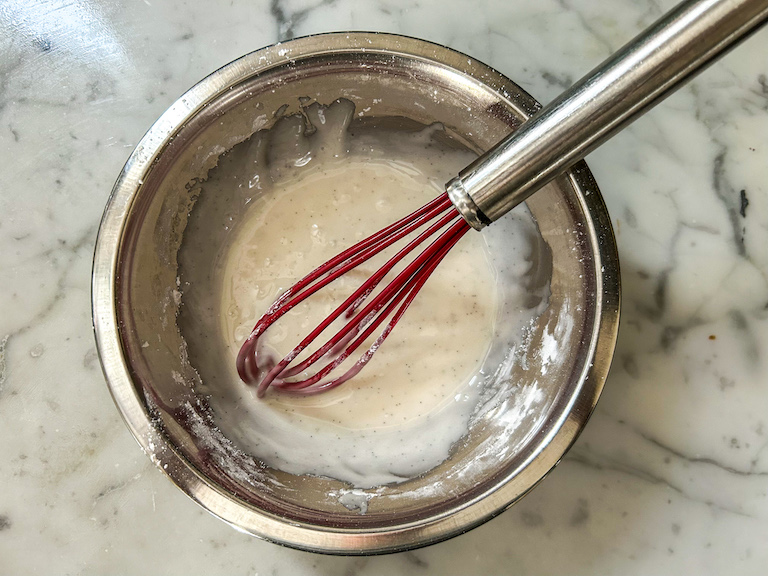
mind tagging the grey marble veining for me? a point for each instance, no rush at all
(670, 476)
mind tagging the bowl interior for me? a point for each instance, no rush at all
(509, 447)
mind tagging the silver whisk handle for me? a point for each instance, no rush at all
(642, 73)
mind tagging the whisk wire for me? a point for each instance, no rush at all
(400, 291)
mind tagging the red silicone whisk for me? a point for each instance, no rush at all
(647, 69)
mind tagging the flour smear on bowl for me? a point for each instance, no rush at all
(285, 201)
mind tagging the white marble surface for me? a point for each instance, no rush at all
(671, 475)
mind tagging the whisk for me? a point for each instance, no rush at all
(642, 73)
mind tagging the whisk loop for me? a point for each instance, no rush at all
(438, 217)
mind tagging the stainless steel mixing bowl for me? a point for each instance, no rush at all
(135, 298)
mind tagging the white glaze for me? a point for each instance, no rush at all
(316, 195)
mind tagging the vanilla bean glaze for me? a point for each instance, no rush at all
(285, 201)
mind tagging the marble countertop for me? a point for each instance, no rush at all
(670, 476)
